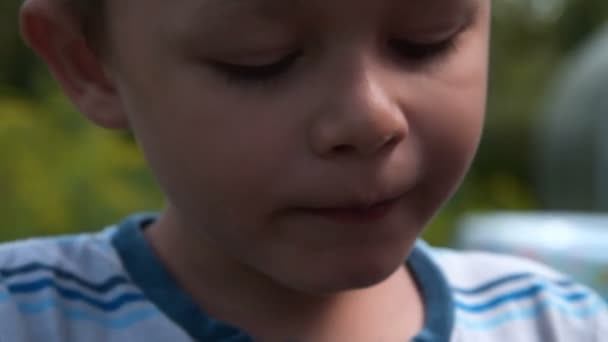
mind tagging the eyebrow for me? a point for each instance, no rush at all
(214, 13)
(467, 10)
(472, 8)
(471, 11)
(217, 7)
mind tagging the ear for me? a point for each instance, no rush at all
(55, 34)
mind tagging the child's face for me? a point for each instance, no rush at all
(311, 140)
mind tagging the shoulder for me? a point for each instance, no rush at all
(500, 297)
(86, 255)
(472, 267)
(65, 288)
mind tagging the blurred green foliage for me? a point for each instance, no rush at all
(59, 174)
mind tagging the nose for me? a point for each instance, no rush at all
(359, 119)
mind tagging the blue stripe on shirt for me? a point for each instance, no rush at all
(505, 280)
(531, 313)
(122, 321)
(520, 294)
(101, 287)
(75, 295)
(115, 321)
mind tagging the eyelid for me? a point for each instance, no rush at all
(283, 59)
(258, 72)
(443, 35)
(423, 52)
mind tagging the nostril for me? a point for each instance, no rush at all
(343, 149)
(385, 144)
(392, 141)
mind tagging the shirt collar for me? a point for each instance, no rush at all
(150, 275)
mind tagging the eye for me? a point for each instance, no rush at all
(259, 72)
(422, 52)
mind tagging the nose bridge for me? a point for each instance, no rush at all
(361, 115)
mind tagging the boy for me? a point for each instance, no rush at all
(302, 147)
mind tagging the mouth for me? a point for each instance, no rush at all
(357, 213)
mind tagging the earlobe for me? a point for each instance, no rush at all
(56, 36)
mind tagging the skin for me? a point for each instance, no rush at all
(268, 182)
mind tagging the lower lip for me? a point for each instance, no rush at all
(372, 214)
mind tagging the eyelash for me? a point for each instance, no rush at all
(421, 54)
(418, 54)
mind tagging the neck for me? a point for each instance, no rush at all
(233, 292)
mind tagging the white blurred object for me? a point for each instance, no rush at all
(571, 136)
(576, 244)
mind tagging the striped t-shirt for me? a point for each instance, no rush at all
(110, 287)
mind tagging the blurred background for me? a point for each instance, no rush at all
(544, 150)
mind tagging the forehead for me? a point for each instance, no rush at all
(180, 23)
(193, 11)
(290, 5)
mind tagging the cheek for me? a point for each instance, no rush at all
(212, 156)
(448, 122)
(450, 137)
(452, 134)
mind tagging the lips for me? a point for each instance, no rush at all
(357, 213)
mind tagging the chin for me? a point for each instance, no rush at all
(345, 267)
(364, 270)
(355, 275)
(365, 277)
